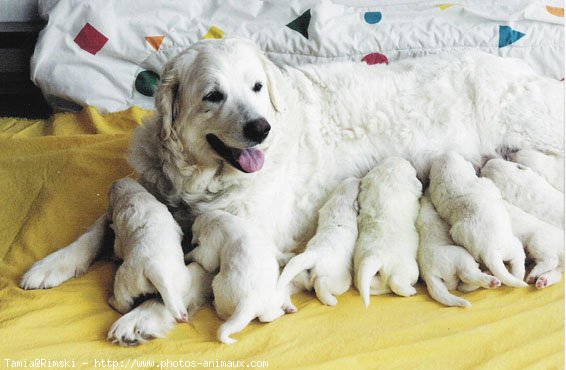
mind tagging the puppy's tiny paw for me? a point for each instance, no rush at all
(541, 283)
(494, 283)
(531, 279)
(290, 308)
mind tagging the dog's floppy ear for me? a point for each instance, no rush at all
(274, 78)
(166, 99)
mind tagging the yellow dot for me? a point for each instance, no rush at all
(214, 33)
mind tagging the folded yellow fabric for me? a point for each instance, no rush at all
(54, 177)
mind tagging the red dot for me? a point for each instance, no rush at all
(375, 58)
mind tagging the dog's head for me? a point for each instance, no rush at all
(216, 102)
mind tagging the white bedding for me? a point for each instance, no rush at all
(109, 54)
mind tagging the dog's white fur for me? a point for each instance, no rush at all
(387, 237)
(443, 265)
(328, 255)
(544, 244)
(550, 166)
(527, 190)
(246, 285)
(479, 220)
(148, 241)
(328, 122)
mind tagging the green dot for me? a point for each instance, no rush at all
(146, 83)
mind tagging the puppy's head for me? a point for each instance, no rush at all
(120, 188)
(216, 104)
(208, 228)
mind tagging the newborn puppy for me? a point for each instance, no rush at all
(527, 190)
(479, 220)
(387, 238)
(246, 285)
(442, 264)
(544, 244)
(549, 166)
(148, 240)
(328, 255)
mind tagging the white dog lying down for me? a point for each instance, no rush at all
(224, 109)
(527, 190)
(328, 254)
(246, 286)
(159, 322)
(444, 266)
(387, 237)
(148, 240)
(479, 220)
(549, 166)
(544, 244)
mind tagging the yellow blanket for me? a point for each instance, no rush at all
(54, 177)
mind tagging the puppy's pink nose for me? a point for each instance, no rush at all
(257, 130)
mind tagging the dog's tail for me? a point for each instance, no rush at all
(366, 270)
(242, 316)
(495, 264)
(301, 262)
(440, 293)
(172, 298)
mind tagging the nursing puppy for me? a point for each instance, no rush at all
(549, 166)
(328, 255)
(148, 240)
(443, 265)
(479, 220)
(544, 244)
(527, 190)
(387, 238)
(246, 285)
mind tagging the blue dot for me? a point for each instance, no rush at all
(372, 17)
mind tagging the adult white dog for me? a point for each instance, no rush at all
(235, 132)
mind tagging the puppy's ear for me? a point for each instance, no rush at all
(274, 78)
(166, 99)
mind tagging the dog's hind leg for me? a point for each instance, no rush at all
(123, 298)
(495, 264)
(440, 293)
(324, 292)
(401, 286)
(541, 267)
(165, 285)
(473, 278)
(68, 262)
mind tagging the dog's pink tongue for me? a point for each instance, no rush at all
(251, 159)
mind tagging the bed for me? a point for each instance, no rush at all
(55, 174)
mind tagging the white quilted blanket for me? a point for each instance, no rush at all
(109, 54)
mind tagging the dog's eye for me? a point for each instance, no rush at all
(214, 96)
(257, 87)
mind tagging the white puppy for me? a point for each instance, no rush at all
(148, 240)
(387, 238)
(527, 190)
(246, 286)
(549, 166)
(544, 244)
(479, 220)
(328, 254)
(443, 265)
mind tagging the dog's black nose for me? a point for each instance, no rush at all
(257, 130)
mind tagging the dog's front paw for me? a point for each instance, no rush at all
(50, 272)
(148, 321)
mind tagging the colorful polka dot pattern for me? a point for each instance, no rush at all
(147, 82)
(375, 58)
(90, 39)
(372, 17)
